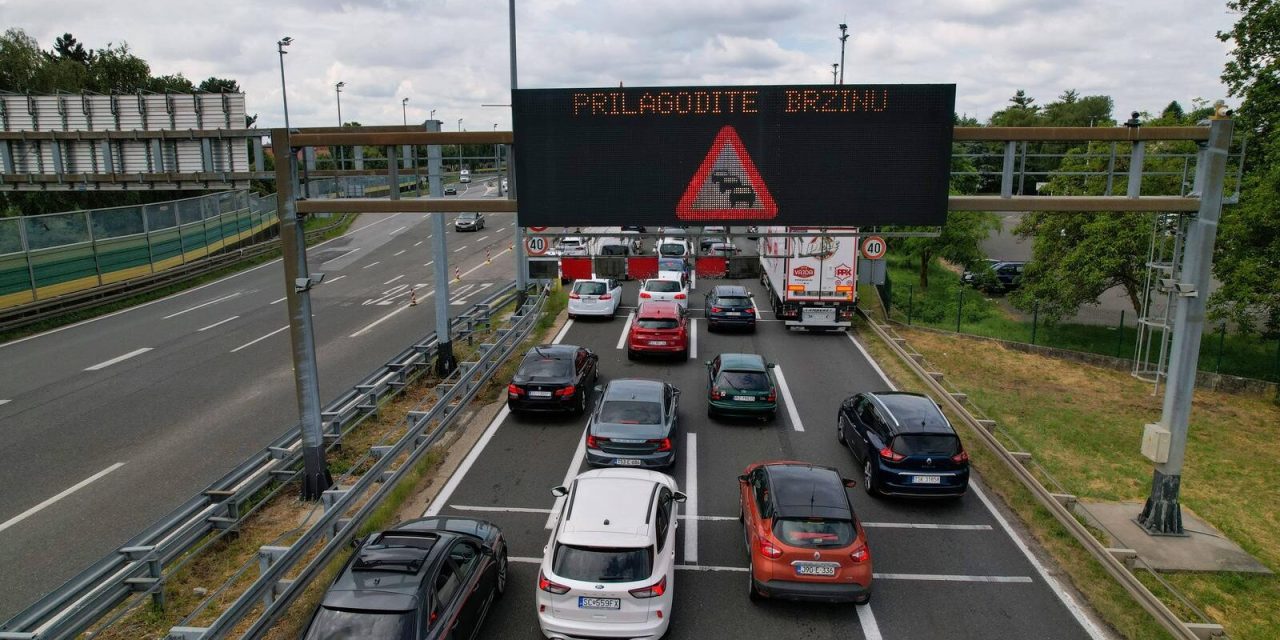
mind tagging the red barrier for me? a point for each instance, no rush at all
(711, 267)
(640, 267)
(575, 268)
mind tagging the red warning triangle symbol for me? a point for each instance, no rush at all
(727, 186)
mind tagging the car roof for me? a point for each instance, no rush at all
(635, 389)
(742, 362)
(658, 309)
(610, 507)
(913, 413)
(557, 351)
(471, 214)
(604, 280)
(386, 573)
(802, 490)
(730, 290)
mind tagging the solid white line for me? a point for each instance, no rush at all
(928, 577)
(174, 315)
(371, 264)
(336, 279)
(922, 525)
(5, 402)
(280, 300)
(456, 479)
(867, 619)
(256, 341)
(791, 403)
(681, 567)
(693, 339)
(563, 330)
(379, 321)
(394, 279)
(626, 328)
(74, 488)
(461, 507)
(397, 231)
(217, 323)
(104, 365)
(691, 503)
(399, 252)
(871, 360)
(341, 256)
(462, 248)
(461, 300)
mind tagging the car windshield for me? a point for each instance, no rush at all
(669, 264)
(467, 216)
(732, 302)
(814, 532)
(662, 286)
(745, 380)
(589, 288)
(926, 444)
(657, 323)
(603, 564)
(630, 412)
(536, 366)
(331, 624)
(671, 249)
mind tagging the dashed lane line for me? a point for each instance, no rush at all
(256, 341)
(393, 279)
(66, 492)
(372, 264)
(201, 306)
(117, 359)
(218, 323)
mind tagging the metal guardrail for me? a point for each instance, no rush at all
(1113, 561)
(138, 565)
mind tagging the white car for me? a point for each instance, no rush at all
(595, 297)
(572, 246)
(673, 289)
(673, 248)
(609, 568)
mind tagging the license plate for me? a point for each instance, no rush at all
(819, 315)
(539, 394)
(627, 462)
(599, 603)
(926, 479)
(733, 313)
(745, 398)
(658, 343)
(815, 570)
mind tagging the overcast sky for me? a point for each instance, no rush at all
(452, 55)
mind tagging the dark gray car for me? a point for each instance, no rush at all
(634, 425)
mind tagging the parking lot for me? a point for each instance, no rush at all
(949, 568)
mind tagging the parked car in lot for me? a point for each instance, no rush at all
(595, 297)
(741, 384)
(659, 327)
(608, 570)
(904, 444)
(554, 377)
(729, 306)
(803, 539)
(670, 288)
(427, 579)
(995, 276)
(468, 222)
(634, 425)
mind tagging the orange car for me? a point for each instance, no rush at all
(803, 539)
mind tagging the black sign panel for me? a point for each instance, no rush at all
(806, 155)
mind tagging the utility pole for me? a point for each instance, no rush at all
(834, 67)
(1162, 513)
(522, 262)
(459, 147)
(844, 35)
(445, 361)
(337, 89)
(404, 111)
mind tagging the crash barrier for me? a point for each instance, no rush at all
(740, 267)
(139, 568)
(575, 268)
(711, 266)
(610, 267)
(1120, 564)
(641, 267)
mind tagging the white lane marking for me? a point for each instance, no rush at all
(681, 567)
(379, 321)
(220, 322)
(691, 503)
(871, 360)
(2, 402)
(341, 256)
(563, 331)
(429, 263)
(463, 507)
(867, 619)
(371, 264)
(929, 577)
(459, 290)
(456, 479)
(924, 525)
(394, 279)
(482, 264)
(336, 279)
(399, 252)
(43, 505)
(257, 340)
(575, 463)
(462, 300)
(418, 243)
(483, 238)
(701, 518)
(791, 403)
(104, 365)
(397, 231)
(462, 248)
(693, 339)
(280, 300)
(626, 328)
(215, 301)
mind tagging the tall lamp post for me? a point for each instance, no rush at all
(459, 146)
(404, 110)
(834, 67)
(844, 35)
(337, 90)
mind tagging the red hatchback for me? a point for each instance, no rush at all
(659, 327)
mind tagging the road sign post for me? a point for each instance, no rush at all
(445, 361)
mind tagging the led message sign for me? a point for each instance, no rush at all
(808, 155)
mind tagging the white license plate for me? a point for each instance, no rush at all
(733, 313)
(599, 603)
(745, 398)
(819, 315)
(926, 479)
(539, 394)
(658, 343)
(626, 462)
(815, 570)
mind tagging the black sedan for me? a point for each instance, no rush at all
(634, 425)
(426, 579)
(553, 377)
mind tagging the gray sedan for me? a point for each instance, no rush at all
(633, 425)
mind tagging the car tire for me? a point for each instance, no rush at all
(684, 355)
(869, 478)
(501, 587)
(581, 408)
(866, 599)
(752, 593)
(711, 413)
(631, 355)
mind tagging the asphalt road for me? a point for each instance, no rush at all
(950, 569)
(110, 424)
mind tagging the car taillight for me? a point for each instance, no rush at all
(575, 296)
(891, 455)
(664, 444)
(680, 296)
(566, 391)
(607, 296)
(593, 442)
(769, 550)
(645, 294)
(514, 390)
(773, 396)
(549, 586)
(860, 555)
(652, 591)
(960, 458)
(716, 393)
(716, 309)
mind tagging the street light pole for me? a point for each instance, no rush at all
(337, 89)
(284, 96)
(522, 262)
(834, 67)
(404, 111)
(844, 35)
(459, 147)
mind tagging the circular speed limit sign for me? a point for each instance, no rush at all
(536, 245)
(874, 248)
(537, 229)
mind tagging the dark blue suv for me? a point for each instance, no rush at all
(730, 306)
(904, 445)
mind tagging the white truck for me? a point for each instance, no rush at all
(812, 280)
(464, 176)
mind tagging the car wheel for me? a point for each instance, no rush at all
(866, 599)
(631, 355)
(582, 403)
(752, 592)
(711, 413)
(684, 355)
(840, 432)
(502, 573)
(868, 478)
(770, 417)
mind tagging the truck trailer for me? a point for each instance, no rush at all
(811, 280)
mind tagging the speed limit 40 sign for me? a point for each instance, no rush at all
(874, 248)
(536, 245)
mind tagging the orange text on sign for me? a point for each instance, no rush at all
(620, 103)
(836, 100)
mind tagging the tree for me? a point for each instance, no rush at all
(171, 84)
(959, 241)
(117, 70)
(66, 47)
(1076, 257)
(219, 85)
(20, 62)
(1023, 113)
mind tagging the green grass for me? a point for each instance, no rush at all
(937, 307)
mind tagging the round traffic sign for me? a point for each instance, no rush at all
(874, 248)
(537, 229)
(536, 245)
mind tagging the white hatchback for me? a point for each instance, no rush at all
(672, 288)
(609, 569)
(595, 297)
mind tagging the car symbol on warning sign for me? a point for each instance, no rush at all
(803, 271)
(727, 185)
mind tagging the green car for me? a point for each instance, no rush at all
(741, 384)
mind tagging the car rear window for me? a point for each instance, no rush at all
(670, 264)
(630, 412)
(745, 380)
(657, 323)
(662, 286)
(613, 250)
(814, 532)
(732, 302)
(589, 288)
(671, 249)
(535, 365)
(930, 444)
(603, 564)
(331, 624)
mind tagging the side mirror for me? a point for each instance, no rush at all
(707, 362)
(742, 478)
(597, 388)
(560, 491)
(771, 365)
(848, 482)
(679, 497)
